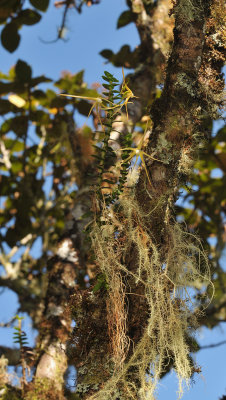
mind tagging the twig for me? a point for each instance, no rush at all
(211, 346)
(5, 154)
(68, 4)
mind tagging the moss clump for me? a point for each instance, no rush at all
(10, 393)
(188, 10)
(42, 389)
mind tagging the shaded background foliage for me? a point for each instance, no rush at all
(43, 166)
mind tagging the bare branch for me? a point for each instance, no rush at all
(5, 156)
(68, 4)
(7, 324)
(211, 346)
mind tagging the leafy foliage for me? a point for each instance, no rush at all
(125, 18)
(14, 16)
(41, 5)
(20, 336)
(37, 184)
(112, 103)
(124, 58)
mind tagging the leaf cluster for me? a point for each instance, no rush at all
(36, 163)
(13, 15)
(19, 335)
(125, 57)
(112, 103)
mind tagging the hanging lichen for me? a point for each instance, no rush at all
(165, 281)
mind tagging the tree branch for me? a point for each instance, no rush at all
(211, 346)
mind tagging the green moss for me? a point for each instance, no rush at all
(42, 389)
(9, 393)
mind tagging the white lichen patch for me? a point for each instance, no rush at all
(66, 252)
(186, 162)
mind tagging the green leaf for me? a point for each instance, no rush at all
(125, 57)
(101, 283)
(19, 124)
(6, 126)
(41, 5)
(39, 94)
(3, 76)
(221, 134)
(28, 17)
(107, 54)
(8, 3)
(14, 145)
(106, 86)
(5, 88)
(83, 107)
(39, 79)
(17, 166)
(125, 18)
(10, 37)
(40, 117)
(6, 107)
(23, 71)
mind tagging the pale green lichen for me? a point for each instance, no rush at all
(82, 388)
(185, 82)
(188, 10)
(165, 278)
(164, 144)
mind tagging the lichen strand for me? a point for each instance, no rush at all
(149, 312)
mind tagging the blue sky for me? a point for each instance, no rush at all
(88, 34)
